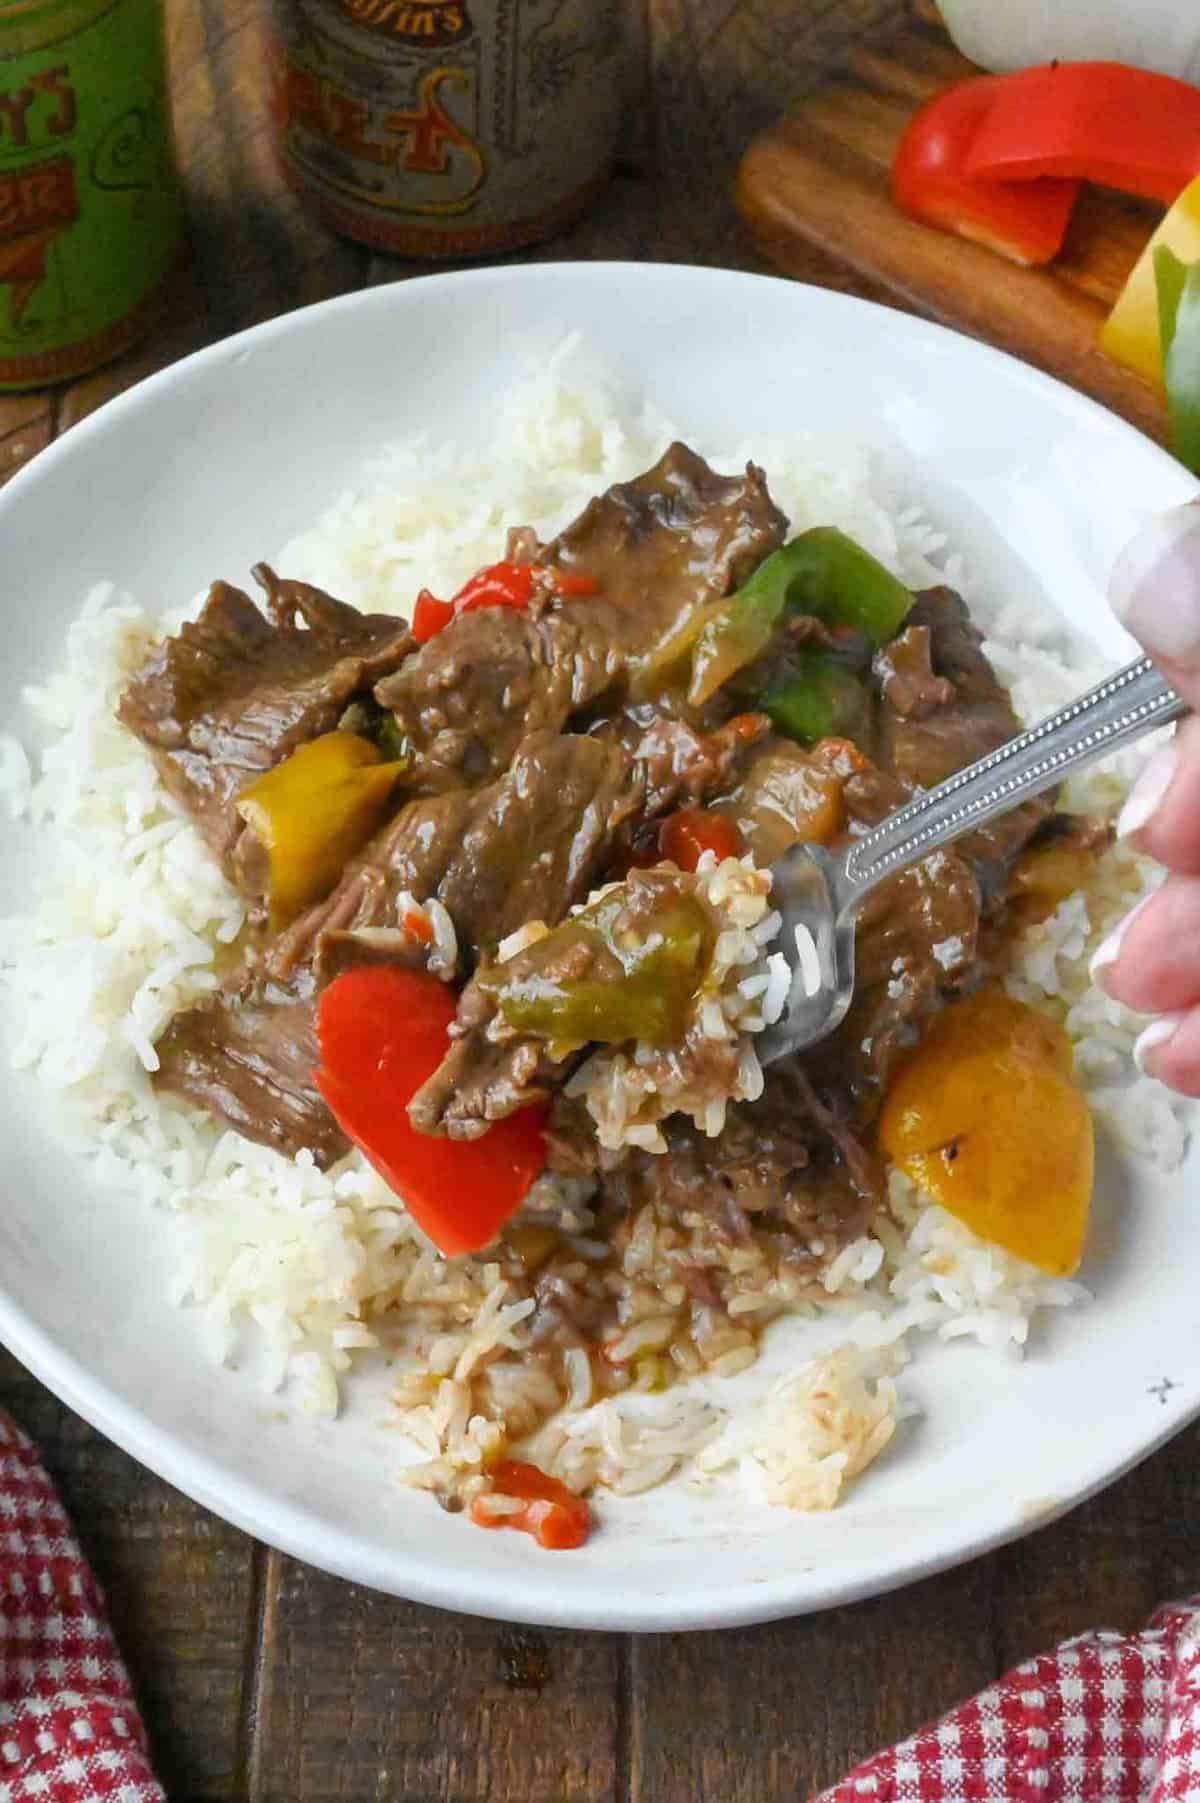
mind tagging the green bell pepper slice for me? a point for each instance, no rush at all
(1178, 290)
(641, 984)
(823, 573)
(822, 700)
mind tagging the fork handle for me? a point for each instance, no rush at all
(1114, 713)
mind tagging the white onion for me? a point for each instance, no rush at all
(1010, 34)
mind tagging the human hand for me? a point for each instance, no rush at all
(1151, 960)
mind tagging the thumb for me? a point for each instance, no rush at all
(1154, 590)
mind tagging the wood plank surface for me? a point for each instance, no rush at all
(819, 178)
(27, 424)
(266, 1682)
(369, 1698)
(780, 1711)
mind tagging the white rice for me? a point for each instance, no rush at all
(808, 961)
(131, 921)
(814, 1432)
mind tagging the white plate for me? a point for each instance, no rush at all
(219, 460)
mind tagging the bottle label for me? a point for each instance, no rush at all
(89, 206)
(419, 121)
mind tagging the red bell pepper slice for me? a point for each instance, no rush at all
(1107, 122)
(686, 835)
(430, 615)
(931, 180)
(496, 585)
(382, 1031)
(554, 1515)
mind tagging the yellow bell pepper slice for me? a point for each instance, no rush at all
(985, 1117)
(313, 811)
(1130, 334)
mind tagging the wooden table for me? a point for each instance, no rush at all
(263, 1680)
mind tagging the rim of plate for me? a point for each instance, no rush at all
(509, 1596)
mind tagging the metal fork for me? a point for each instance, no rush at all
(822, 891)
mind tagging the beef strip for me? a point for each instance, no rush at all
(909, 686)
(657, 548)
(233, 692)
(349, 950)
(1088, 834)
(491, 677)
(671, 539)
(928, 743)
(781, 1160)
(926, 914)
(527, 847)
(683, 765)
(871, 795)
(924, 745)
(917, 944)
(483, 1077)
(248, 1056)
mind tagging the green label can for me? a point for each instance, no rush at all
(90, 212)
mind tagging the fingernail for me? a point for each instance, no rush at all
(1156, 1034)
(1146, 795)
(1107, 950)
(1154, 588)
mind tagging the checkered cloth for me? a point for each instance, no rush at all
(69, 1727)
(1105, 1718)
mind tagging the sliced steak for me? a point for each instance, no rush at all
(682, 764)
(233, 692)
(928, 913)
(909, 686)
(954, 725)
(248, 1056)
(668, 541)
(483, 1078)
(657, 549)
(936, 737)
(917, 945)
(1085, 835)
(787, 1165)
(528, 847)
(342, 951)
(491, 677)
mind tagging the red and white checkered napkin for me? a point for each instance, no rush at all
(69, 1727)
(1105, 1718)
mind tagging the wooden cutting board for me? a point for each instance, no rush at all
(821, 177)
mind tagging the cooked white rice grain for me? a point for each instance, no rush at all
(808, 960)
(813, 1432)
